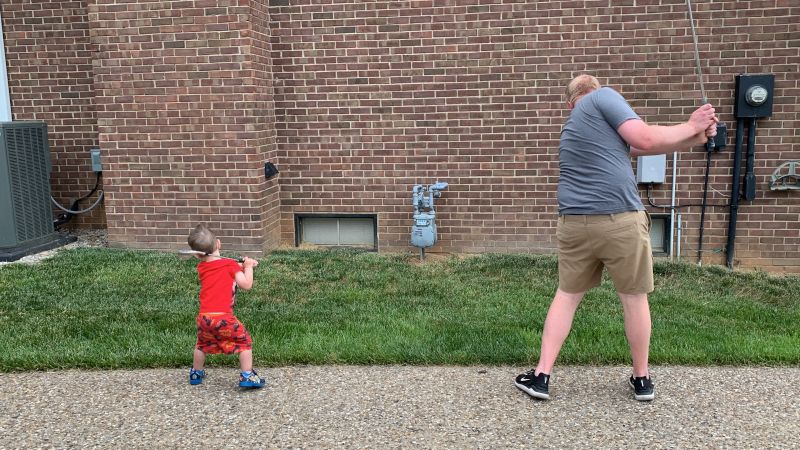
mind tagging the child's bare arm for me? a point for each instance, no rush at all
(244, 279)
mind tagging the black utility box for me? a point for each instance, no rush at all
(754, 94)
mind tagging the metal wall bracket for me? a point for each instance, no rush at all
(786, 177)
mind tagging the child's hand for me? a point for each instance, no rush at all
(249, 262)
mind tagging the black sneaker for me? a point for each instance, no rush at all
(643, 389)
(534, 385)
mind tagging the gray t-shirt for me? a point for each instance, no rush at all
(594, 161)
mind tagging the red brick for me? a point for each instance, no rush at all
(371, 98)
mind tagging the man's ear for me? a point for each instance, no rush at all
(571, 105)
(217, 245)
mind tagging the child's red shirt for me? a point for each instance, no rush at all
(217, 285)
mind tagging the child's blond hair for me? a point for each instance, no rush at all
(202, 239)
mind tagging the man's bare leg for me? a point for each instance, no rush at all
(556, 328)
(638, 328)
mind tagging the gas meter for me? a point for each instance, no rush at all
(423, 232)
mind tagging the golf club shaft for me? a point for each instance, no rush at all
(201, 254)
(696, 52)
(710, 142)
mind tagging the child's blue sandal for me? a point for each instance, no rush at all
(196, 376)
(251, 380)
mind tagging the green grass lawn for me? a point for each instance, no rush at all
(110, 308)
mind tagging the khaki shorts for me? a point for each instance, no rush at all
(619, 242)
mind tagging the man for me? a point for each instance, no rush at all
(602, 222)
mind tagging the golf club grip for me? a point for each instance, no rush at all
(710, 143)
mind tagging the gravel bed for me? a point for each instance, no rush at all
(86, 238)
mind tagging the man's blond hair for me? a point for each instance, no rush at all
(202, 239)
(581, 85)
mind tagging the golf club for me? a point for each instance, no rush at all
(710, 143)
(189, 253)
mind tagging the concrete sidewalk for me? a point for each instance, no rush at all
(400, 406)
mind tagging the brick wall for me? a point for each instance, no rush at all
(49, 63)
(374, 97)
(264, 115)
(371, 98)
(183, 108)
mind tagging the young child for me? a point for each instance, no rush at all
(218, 330)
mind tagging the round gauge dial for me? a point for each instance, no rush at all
(756, 95)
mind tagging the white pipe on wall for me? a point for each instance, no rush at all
(5, 98)
(680, 228)
(672, 209)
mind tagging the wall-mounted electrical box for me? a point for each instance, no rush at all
(97, 166)
(651, 169)
(721, 139)
(754, 95)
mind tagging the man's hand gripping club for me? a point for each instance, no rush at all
(647, 139)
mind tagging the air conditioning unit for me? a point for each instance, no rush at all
(26, 217)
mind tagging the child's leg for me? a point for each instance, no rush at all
(249, 378)
(199, 359)
(246, 360)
